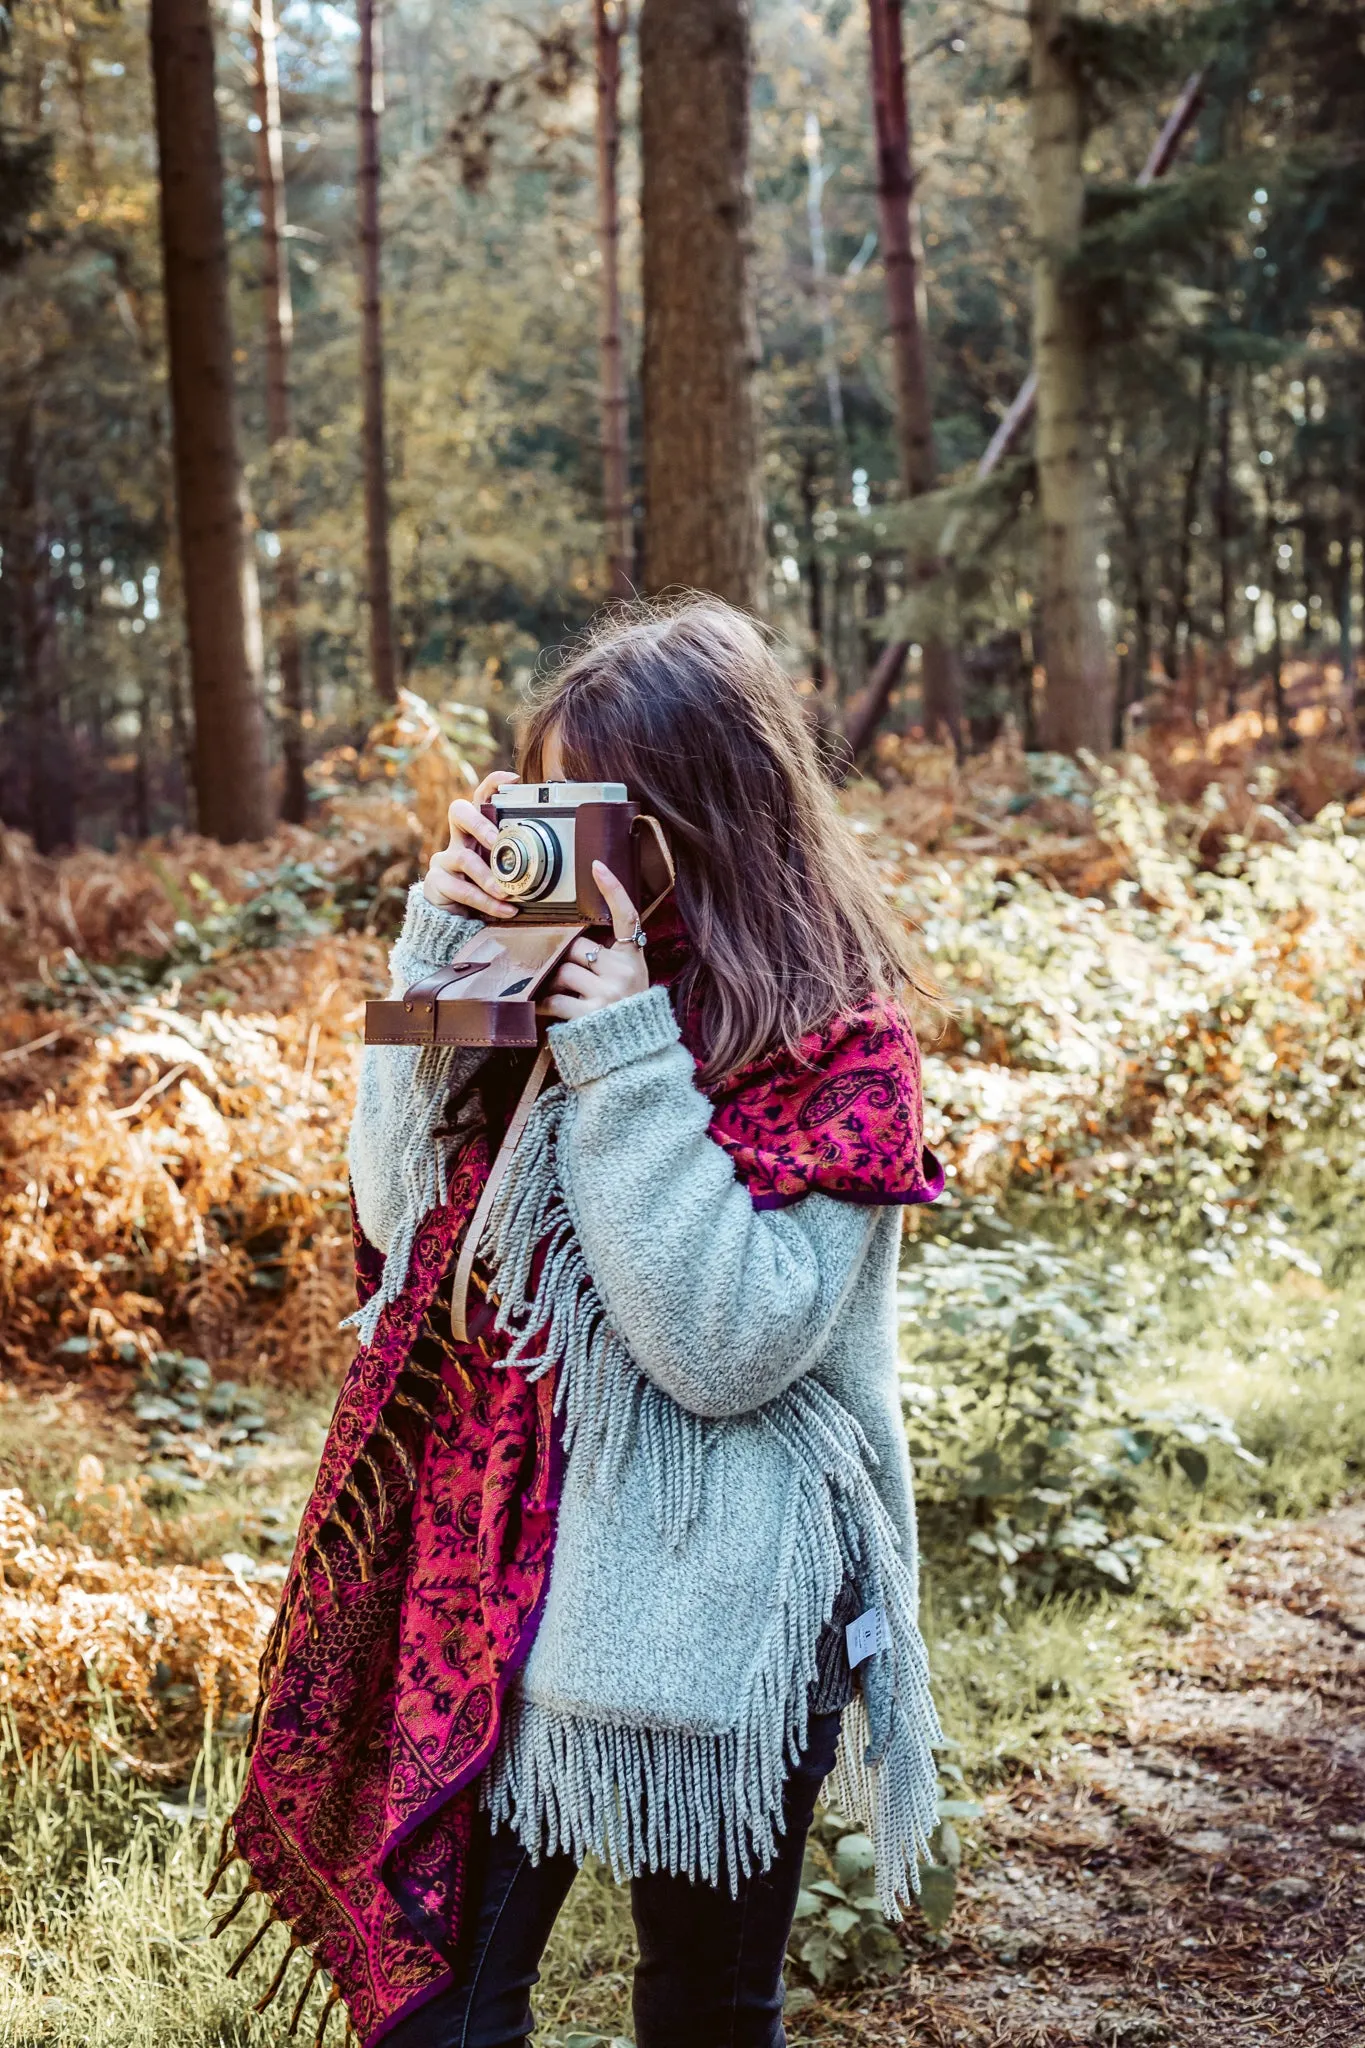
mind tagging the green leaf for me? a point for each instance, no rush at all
(948, 1844)
(1194, 1464)
(854, 1856)
(937, 1892)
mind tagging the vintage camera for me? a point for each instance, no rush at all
(549, 835)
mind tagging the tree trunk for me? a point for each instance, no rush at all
(45, 749)
(1345, 621)
(383, 672)
(703, 501)
(902, 259)
(1160, 157)
(1135, 568)
(1178, 622)
(1078, 707)
(815, 592)
(1223, 521)
(279, 336)
(819, 263)
(609, 21)
(1285, 736)
(217, 564)
(132, 305)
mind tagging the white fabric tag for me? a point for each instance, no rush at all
(868, 1634)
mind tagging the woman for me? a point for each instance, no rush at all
(633, 1570)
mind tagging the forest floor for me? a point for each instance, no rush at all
(1183, 1865)
(1195, 1873)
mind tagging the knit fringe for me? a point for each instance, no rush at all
(694, 1801)
(608, 1406)
(424, 1184)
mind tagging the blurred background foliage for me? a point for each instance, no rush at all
(1224, 305)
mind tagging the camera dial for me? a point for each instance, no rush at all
(526, 859)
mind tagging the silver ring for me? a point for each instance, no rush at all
(591, 954)
(639, 937)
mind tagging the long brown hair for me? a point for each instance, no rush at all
(686, 704)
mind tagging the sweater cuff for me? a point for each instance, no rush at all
(431, 933)
(587, 1048)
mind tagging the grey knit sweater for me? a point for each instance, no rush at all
(734, 1445)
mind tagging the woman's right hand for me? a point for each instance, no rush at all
(460, 878)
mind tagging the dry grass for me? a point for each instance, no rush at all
(173, 1645)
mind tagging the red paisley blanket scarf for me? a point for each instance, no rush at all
(423, 1558)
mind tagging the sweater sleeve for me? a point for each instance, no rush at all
(388, 1099)
(721, 1305)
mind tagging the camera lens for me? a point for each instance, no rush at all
(526, 859)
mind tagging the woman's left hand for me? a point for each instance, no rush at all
(594, 975)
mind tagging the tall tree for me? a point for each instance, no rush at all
(279, 336)
(51, 806)
(902, 261)
(609, 20)
(222, 614)
(829, 343)
(703, 503)
(1160, 157)
(383, 670)
(1078, 707)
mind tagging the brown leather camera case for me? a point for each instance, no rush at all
(486, 996)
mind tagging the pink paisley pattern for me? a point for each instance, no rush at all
(424, 1553)
(380, 1704)
(845, 1115)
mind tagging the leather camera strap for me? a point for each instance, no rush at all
(459, 1286)
(665, 854)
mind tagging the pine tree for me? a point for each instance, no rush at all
(703, 504)
(903, 261)
(218, 570)
(370, 71)
(279, 335)
(609, 29)
(1078, 704)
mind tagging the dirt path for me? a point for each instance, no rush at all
(1197, 1877)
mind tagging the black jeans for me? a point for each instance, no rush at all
(710, 1968)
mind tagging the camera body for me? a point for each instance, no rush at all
(549, 835)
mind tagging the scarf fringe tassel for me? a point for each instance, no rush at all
(295, 1945)
(707, 1804)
